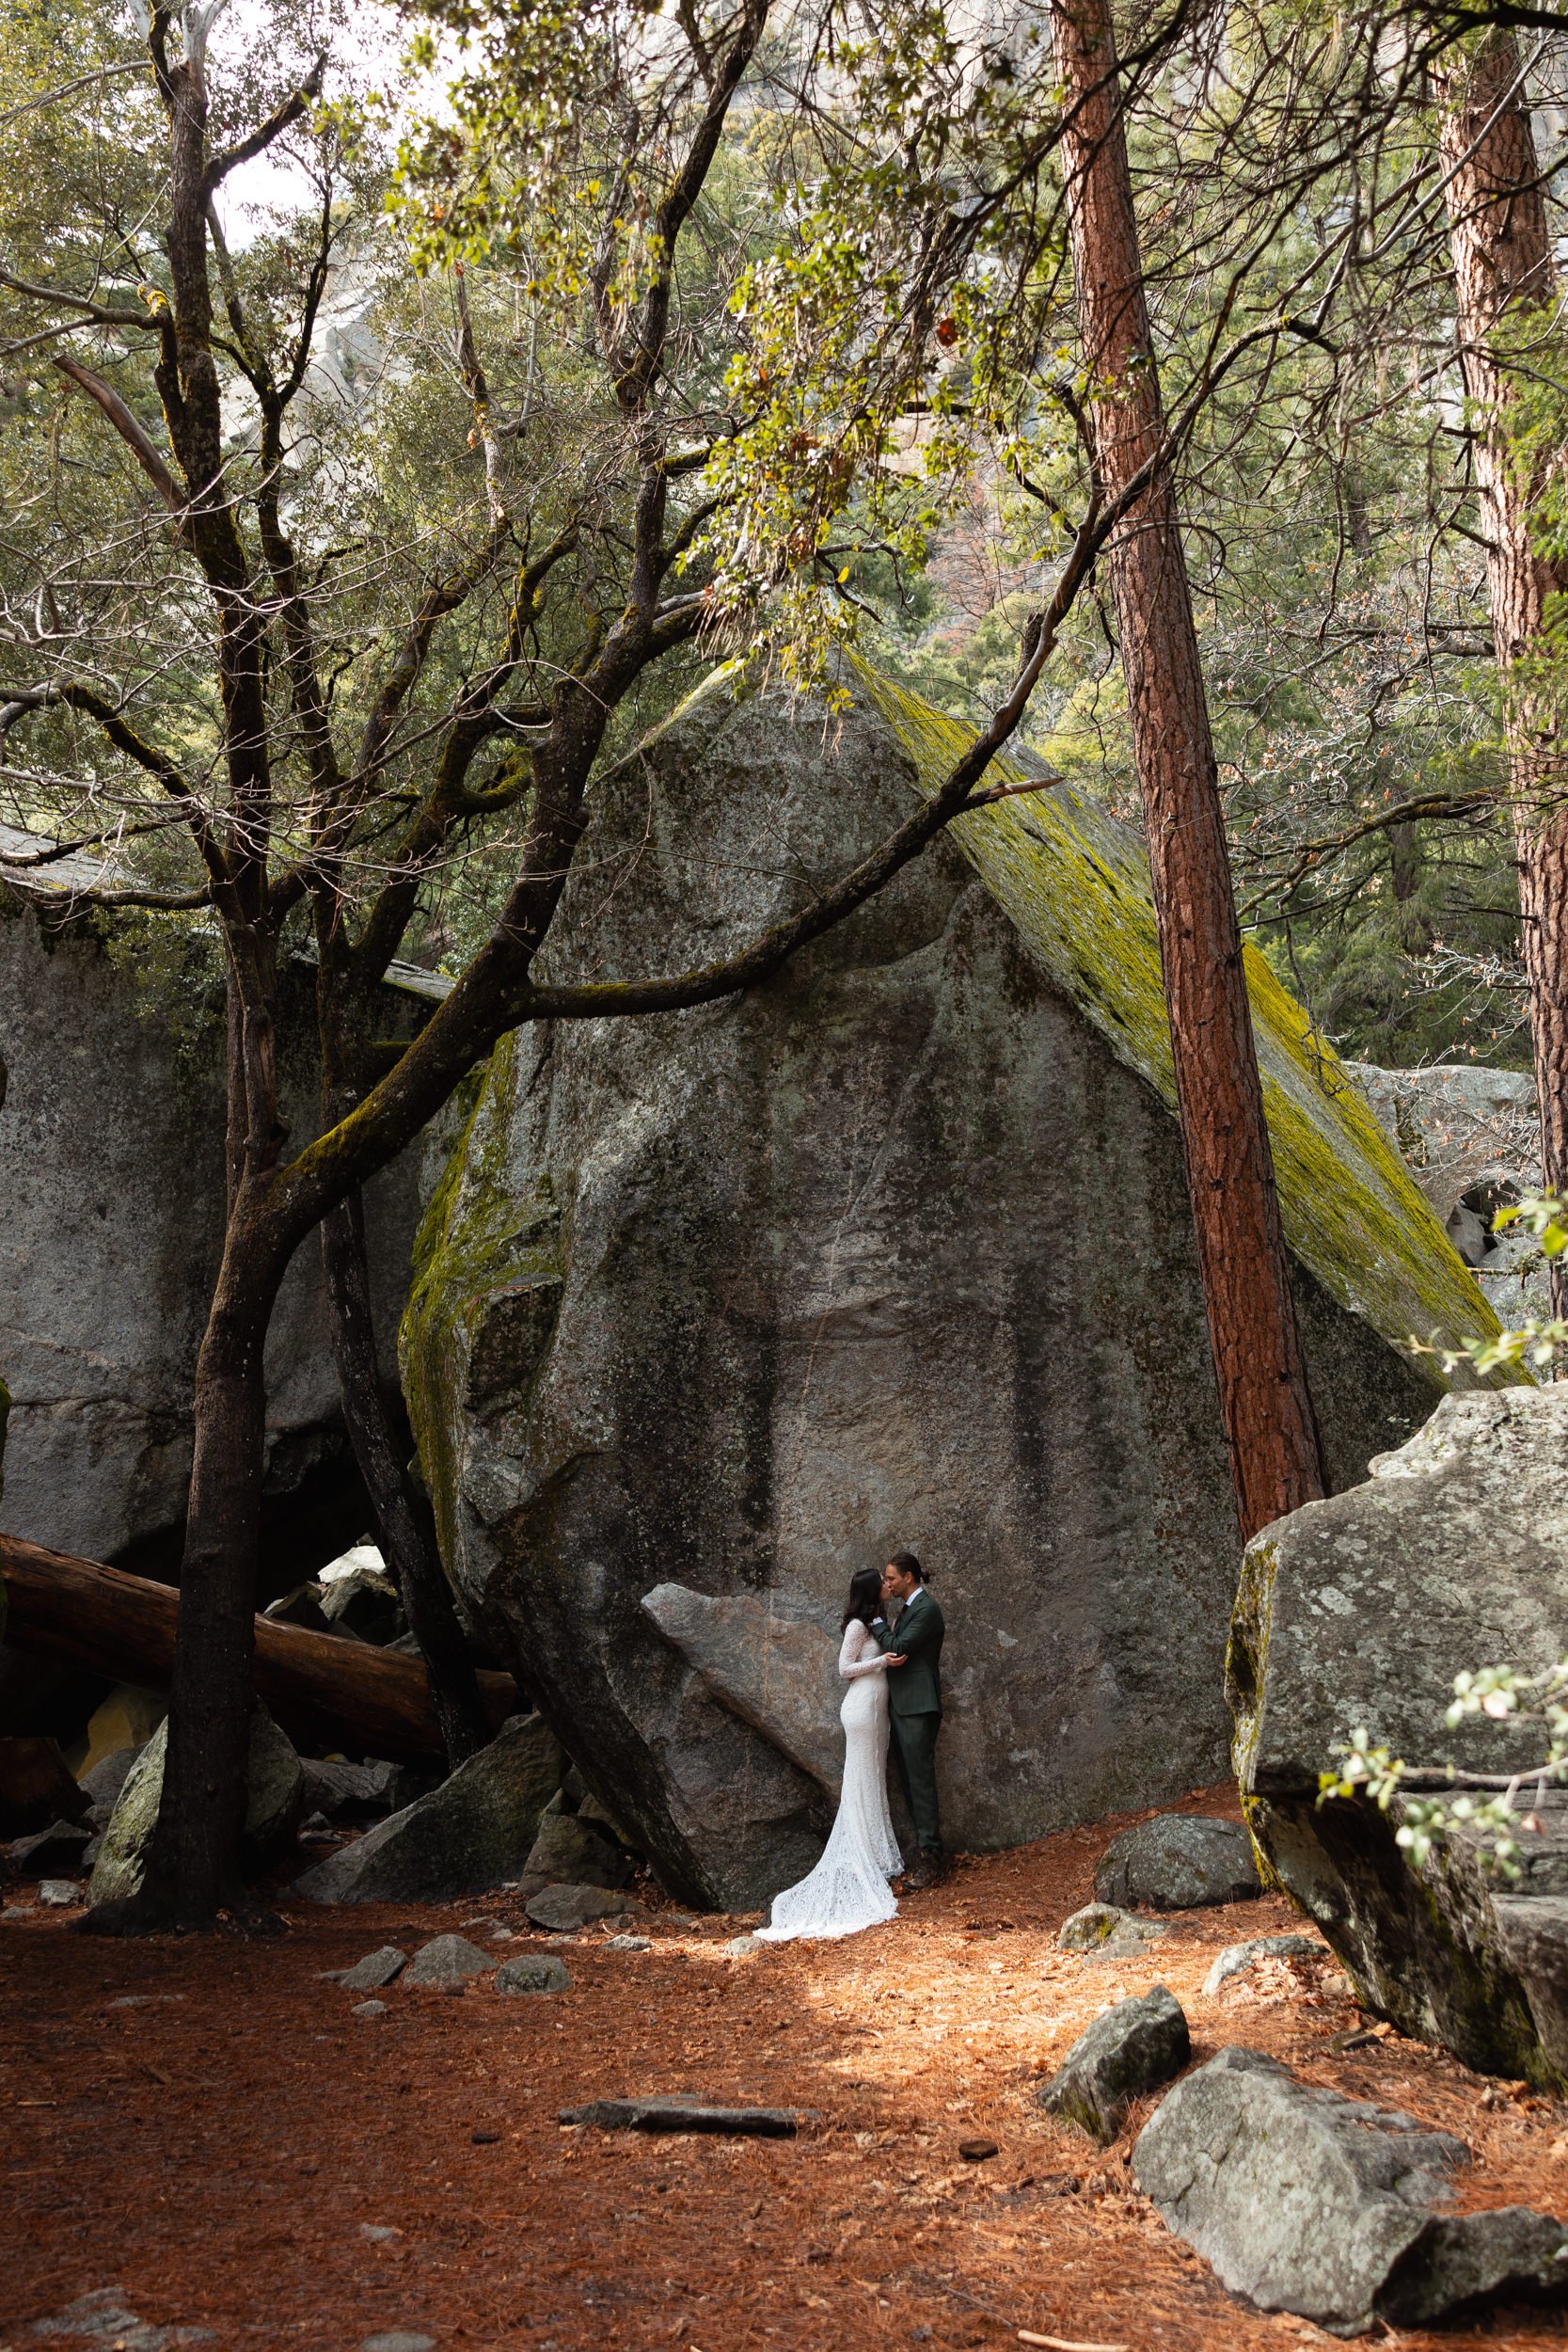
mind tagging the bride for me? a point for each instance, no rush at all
(848, 1888)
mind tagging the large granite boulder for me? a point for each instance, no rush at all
(461, 1838)
(1471, 1138)
(893, 1250)
(1307, 2201)
(1178, 1862)
(111, 1169)
(1356, 1614)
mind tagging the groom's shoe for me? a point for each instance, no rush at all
(929, 1870)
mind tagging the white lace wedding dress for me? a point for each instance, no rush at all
(848, 1889)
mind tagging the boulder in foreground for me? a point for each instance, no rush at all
(463, 1838)
(1178, 1862)
(1357, 1613)
(1134, 2047)
(1307, 2201)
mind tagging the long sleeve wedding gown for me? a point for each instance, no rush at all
(848, 1889)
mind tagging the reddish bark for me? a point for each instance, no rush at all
(1270, 1427)
(1502, 269)
(326, 1691)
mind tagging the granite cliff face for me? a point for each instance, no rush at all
(893, 1250)
(111, 1167)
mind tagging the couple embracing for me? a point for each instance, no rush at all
(890, 1656)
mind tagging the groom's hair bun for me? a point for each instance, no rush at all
(906, 1565)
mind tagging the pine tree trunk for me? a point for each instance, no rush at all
(1502, 268)
(407, 1535)
(1270, 1427)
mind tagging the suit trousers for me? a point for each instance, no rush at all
(914, 1752)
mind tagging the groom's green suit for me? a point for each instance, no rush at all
(915, 1708)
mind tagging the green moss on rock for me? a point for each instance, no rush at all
(1075, 885)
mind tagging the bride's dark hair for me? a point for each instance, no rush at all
(866, 1597)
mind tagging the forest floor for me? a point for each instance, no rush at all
(205, 2127)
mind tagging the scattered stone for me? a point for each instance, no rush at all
(1134, 2047)
(447, 1959)
(275, 1793)
(632, 1943)
(1358, 1612)
(1178, 1861)
(378, 2232)
(567, 1908)
(36, 1788)
(1103, 1932)
(569, 1851)
(1307, 2201)
(17, 1910)
(977, 2150)
(376, 1969)
(370, 2008)
(61, 1893)
(461, 1838)
(742, 1947)
(56, 1847)
(398, 2340)
(533, 1973)
(484, 2140)
(687, 2114)
(1237, 1958)
(103, 2316)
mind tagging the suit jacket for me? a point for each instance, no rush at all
(915, 1687)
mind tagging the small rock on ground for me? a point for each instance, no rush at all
(398, 2340)
(370, 2008)
(533, 1973)
(741, 1947)
(1237, 1958)
(628, 1944)
(447, 1959)
(566, 1908)
(1134, 2047)
(61, 1893)
(1105, 1932)
(378, 2232)
(376, 1969)
(1178, 1861)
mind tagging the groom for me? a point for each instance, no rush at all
(914, 1704)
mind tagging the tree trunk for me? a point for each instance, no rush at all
(1276, 1455)
(1502, 269)
(403, 1524)
(326, 1690)
(192, 1869)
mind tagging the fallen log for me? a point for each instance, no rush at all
(328, 1693)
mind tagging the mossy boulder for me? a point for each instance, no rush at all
(1355, 1616)
(275, 1792)
(893, 1250)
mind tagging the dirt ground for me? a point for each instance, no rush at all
(206, 2127)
